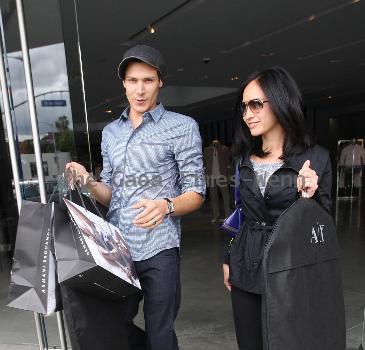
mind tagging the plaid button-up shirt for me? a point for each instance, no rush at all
(160, 158)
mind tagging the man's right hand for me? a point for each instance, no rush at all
(76, 172)
(226, 276)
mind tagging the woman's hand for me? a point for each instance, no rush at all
(307, 181)
(226, 276)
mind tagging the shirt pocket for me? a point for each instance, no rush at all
(149, 157)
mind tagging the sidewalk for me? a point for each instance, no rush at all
(205, 318)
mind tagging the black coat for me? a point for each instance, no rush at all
(245, 253)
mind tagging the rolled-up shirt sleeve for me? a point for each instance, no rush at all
(106, 173)
(189, 159)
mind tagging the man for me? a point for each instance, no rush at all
(152, 174)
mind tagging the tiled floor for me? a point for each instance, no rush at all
(351, 232)
(205, 320)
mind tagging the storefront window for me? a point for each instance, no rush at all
(57, 135)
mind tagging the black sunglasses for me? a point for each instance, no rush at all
(255, 105)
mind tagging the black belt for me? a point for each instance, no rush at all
(260, 225)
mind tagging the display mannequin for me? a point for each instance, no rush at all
(218, 165)
(352, 160)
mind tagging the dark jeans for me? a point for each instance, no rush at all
(247, 319)
(160, 280)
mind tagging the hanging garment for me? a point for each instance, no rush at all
(352, 155)
(218, 171)
(352, 160)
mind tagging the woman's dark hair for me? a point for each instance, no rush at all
(285, 100)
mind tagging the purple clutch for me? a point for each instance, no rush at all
(232, 223)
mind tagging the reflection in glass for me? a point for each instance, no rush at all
(53, 111)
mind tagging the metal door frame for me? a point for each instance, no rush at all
(39, 319)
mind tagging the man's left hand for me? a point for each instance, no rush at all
(153, 214)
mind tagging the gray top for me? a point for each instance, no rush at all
(263, 172)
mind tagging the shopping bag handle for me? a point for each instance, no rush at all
(61, 180)
(71, 186)
(94, 205)
(77, 186)
(91, 200)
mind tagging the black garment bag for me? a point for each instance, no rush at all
(303, 305)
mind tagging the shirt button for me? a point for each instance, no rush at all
(263, 223)
(268, 196)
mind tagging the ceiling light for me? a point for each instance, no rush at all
(180, 69)
(335, 61)
(330, 97)
(235, 77)
(165, 18)
(267, 54)
(151, 29)
(108, 111)
(311, 18)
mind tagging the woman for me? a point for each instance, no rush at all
(272, 148)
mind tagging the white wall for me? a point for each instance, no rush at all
(54, 167)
